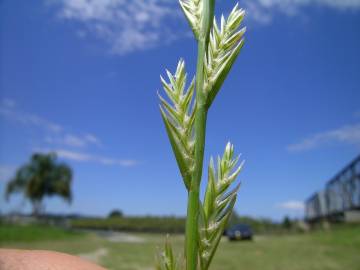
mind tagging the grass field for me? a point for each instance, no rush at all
(335, 249)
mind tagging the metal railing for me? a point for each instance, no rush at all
(341, 193)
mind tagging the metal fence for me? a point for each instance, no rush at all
(342, 193)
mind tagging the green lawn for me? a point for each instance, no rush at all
(335, 249)
(31, 233)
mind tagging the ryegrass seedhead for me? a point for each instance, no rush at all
(218, 204)
(225, 44)
(193, 11)
(179, 119)
(185, 122)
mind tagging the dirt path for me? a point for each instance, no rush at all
(94, 256)
(119, 237)
(124, 238)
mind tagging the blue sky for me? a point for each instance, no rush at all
(80, 78)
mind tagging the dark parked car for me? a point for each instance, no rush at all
(240, 232)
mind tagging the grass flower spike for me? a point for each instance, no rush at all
(166, 260)
(193, 10)
(179, 120)
(218, 204)
(184, 112)
(225, 44)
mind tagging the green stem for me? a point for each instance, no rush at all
(191, 230)
(193, 197)
(191, 236)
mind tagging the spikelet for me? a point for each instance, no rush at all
(178, 113)
(166, 260)
(218, 204)
(179, 119)
(226, 41)
(193, 11)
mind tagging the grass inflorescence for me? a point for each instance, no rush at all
(184, 112)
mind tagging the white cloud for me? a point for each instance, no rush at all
(74, 140)
(292, 205)
(126, 25)
(348, 134)
(86, 157)
(8, 110)
(6, 172)
(7, 103)
(139, 24)
(56, 134)
(257, 13)
(129, 26)
(263, 10)
(92, 138)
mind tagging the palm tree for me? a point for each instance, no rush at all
(42, 176)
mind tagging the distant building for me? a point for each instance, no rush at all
(340, 200)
